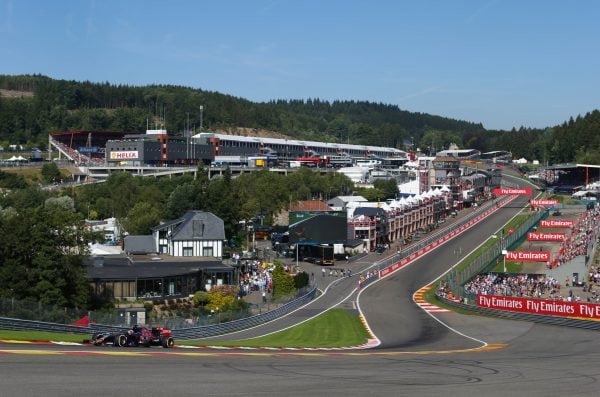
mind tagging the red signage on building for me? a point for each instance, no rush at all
(556, 223)
(504, 191)
(543, 203)
(541, 236)
(530, 256)
(540, 306)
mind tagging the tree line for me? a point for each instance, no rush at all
(43, 237)
(59, 105)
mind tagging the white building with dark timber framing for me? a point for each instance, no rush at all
(196, 233)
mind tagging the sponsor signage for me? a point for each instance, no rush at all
(91, 149)
(504, 191)
(543, 203)
(557, 223)
(530, 256)
(541, 236)
(128, 155)
(540, 306)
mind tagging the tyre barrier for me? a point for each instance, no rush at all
(536, 318)
(15, 324)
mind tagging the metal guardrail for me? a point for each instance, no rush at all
(455, 279)
(241, 324)
(430, 239)
(537, 318)
(438, 235)
(180, 333)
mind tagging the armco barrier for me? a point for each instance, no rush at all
(180, 333)
(395, 262)
(238, 325)
(537, 318)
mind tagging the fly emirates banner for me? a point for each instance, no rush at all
(540, 306)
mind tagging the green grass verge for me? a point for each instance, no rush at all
(511, 267)
(334, 328)
(514, 223)
(42, 336)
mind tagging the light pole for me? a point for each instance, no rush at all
(504, 252)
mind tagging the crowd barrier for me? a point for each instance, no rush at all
(537, 318)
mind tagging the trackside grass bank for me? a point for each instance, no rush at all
(334, 328)
(41, 336)
(511, 267)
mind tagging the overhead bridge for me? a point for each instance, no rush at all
(100, 172)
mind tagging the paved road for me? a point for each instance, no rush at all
(336, 291)
(537, 360)
(388, 305)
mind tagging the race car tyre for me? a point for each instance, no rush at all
(167, 342)
(120, 341)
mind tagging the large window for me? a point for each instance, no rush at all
(187, 251)
(207, 251)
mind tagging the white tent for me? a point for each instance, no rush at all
(21, 158)
(13, 158)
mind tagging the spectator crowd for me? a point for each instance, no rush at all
(521, 285)
(581, 238)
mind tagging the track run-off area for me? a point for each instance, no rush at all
(420, 351)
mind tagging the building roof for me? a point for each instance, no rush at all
(279, 141)
(310, 205)
(368, 211)
(139, 244)
(120, 267)
(347, 199)
(195, 225)
(446, 158)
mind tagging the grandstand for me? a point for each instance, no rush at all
(497, 156)
(83, 147)
(461, 154)
(289, 149)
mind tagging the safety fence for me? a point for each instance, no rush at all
(180, 333)
(394, 262)
(457, 277)
(538, 318)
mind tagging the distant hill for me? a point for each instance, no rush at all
(47, 105)
(31, 106)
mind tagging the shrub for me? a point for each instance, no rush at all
(301, 280)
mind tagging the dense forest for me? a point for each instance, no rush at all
(59, 105)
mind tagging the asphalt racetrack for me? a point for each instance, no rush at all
(419, 355)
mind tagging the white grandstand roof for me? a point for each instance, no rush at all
(278, 141)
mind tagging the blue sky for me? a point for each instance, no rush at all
(503, 63)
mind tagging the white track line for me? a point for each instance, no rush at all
(413, 297)
(432, 283)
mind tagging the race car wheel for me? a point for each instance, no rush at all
(168, 342)
(120, 341)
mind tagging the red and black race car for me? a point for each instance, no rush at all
(137, 336)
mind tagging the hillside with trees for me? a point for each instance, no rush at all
(59, 105)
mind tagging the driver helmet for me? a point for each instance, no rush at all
(137, 328)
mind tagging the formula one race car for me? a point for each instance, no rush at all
(137, 336)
